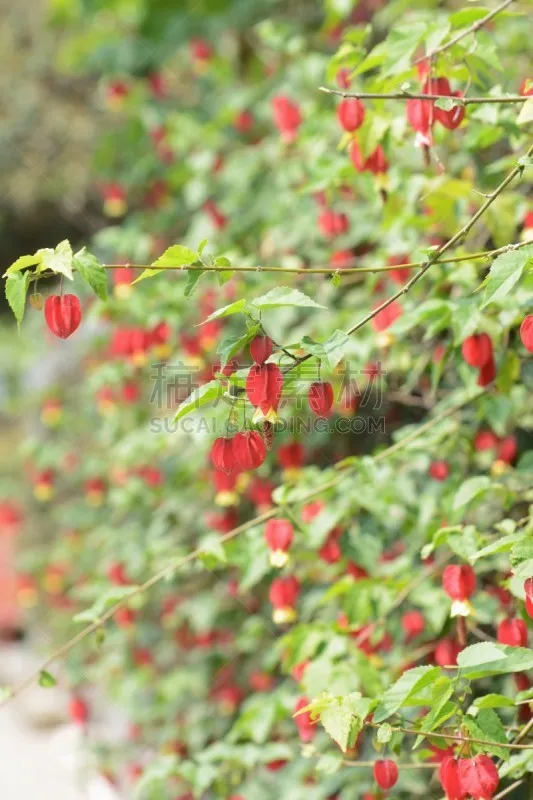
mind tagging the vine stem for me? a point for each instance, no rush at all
(456, 737)
(320, 270)
(457, 101)
(167, 571)
(370, 764)
(472, 29)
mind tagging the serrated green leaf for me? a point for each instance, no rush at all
(384, 733)
(406, 687)
(226, 311)
(505, 271)
(283, 296)
(91, 271)
(332, 351)
(193, 276)
(234, 344)
(493, 701)
(59, 260)
(22, 263)
(173, 257)
(488, 658)
(16, 291)
(487, 726)
(202, 396)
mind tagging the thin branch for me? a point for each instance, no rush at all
(455, 737)
(179, 563)
(371, 764)
(509, 789)
(457, 101)
(472, 29)
(315, 270)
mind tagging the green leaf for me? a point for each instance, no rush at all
(175, 256)
(46, 680)
(58, 260)
(502, 545)
(234, 344)
(284, 296)
(103, 603)
(493, 701)
(487, 725)
(441, 709)
(337, 721)
(446, 103)
(406, 687)
(213, 554)
(470, 489)
(202, 396)
(505, 271)
(22, 263)
(16, 291)
(92, 272)
(193, 276)
(226, 311)
(384, 734)
(488, 658)
(526, 112)
(332, 351)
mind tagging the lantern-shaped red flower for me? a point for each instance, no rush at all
(513, 632)
(263, 388)
(249, 450)
(526, 332)
(287, 117)
(459, 581)
(62, 314)
(261, 349)
(386, 773)
(279, 534)
(304, 722)
(283, 595)
(351, 114)
(477, 350)
(320, 398)
(478, 777)
(222, 454)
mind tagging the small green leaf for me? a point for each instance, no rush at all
(58, 260)
(487, 658)
(16, 291)
(234, 344)
(46, 680)
(493, 701)
(193, 276)
(226, 311)
(283, 296)
(505, 271)
(384, 734)
(471, 488)
(201, 396)
(487, 726)
(213, 554)
(406, 687)
(173, 257)
(201, 247)
(332, 351)
(92, 272)
(103, 603)
(22, 263)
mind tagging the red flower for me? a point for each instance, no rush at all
(528, 588)
(459, 581)
(351, 114)
(263, 388)
(218, 219)
(331, 223)
(485, 440)
(413, 623)
(261, 349)
(79, 711)
(320, 398)
(287, 117)
(507, 449)
(446, 653)
(385, 318)
(526, 332)
(222, 455)
(201, 50)
(487, 373)
(477, 350)
(513, 632)
(526, 87)
(400, 275)
(420, 117)
(249, 450)
(385, 773)
(292, 455)
(331, 552)
(341, 259)
(343, 78)
(478, 777)
(62, 314)
(283, 595)
(375, 163)
(304, 723)
(117, 574)
(439, 470)
(279, 534)
(449, 779)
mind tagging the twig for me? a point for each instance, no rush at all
(472, 29)
(509, 789)
(173, 567)
(313, 270)
(457, 101)
(400, 766)
(455, 737)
